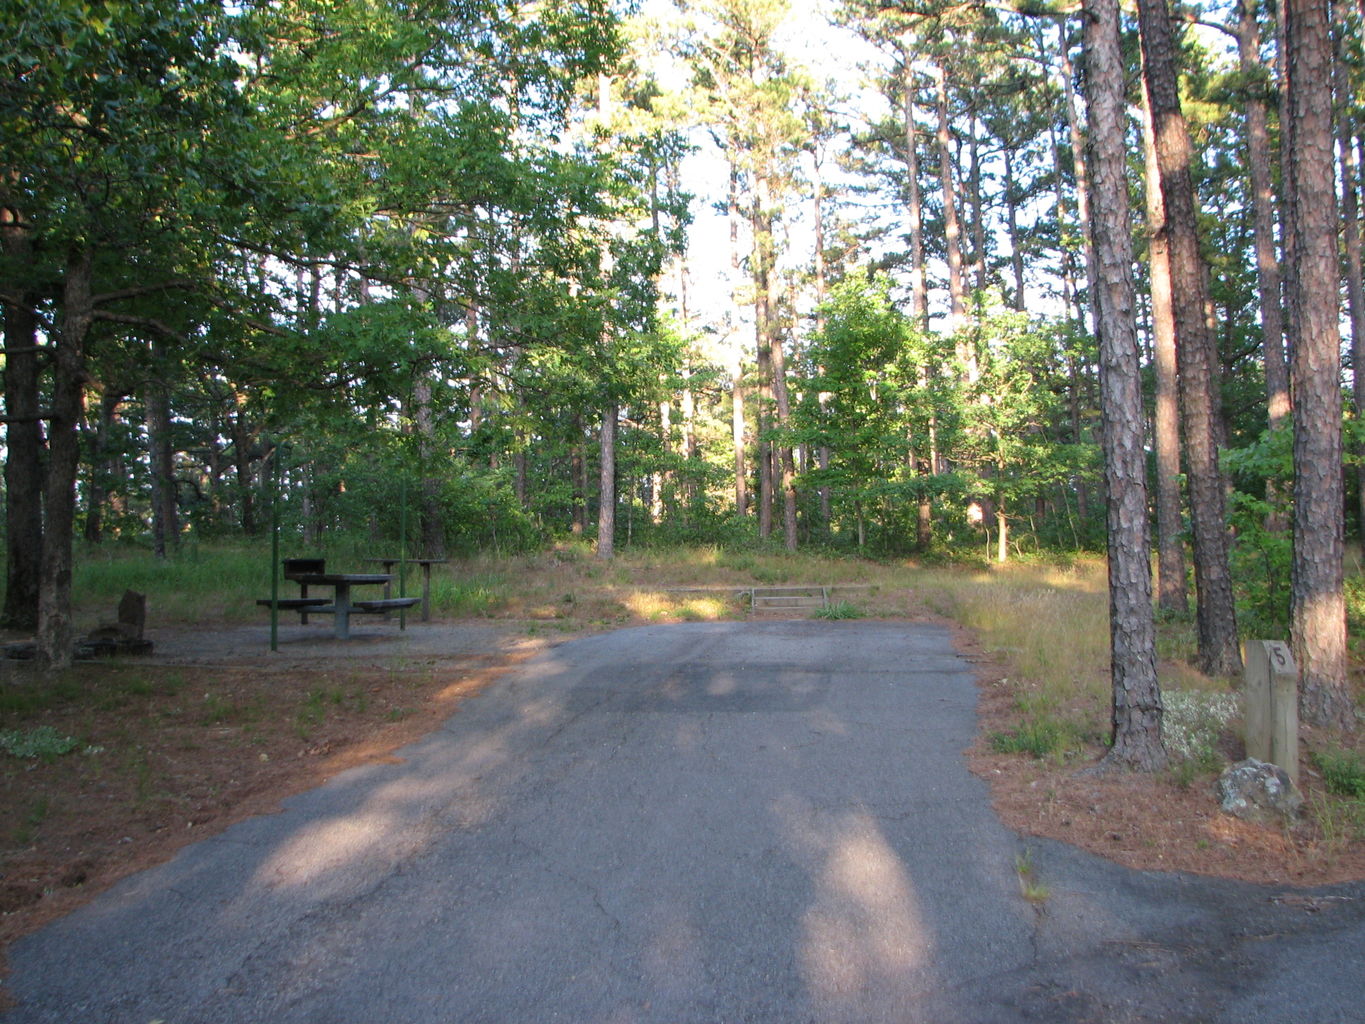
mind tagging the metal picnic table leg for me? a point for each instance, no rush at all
(342, 618)
(426, 591)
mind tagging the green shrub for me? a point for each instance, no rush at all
(840, 610)
(1343, 772)
(42, 741)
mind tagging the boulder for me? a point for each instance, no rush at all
(1257, 791)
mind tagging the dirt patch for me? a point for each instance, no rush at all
(1149, 822)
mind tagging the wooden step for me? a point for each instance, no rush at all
(788, 599)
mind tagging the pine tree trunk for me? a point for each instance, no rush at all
(1351, 244)
(1136, 705)
(578, 473)
(952, 226)
(978, 210)
(737, 365)
(69, 373)
(1172, 583)
(24, 475)
(1270, 288)
(1077, 133)
(822, 453)
(431, 520)
(1070, 300)
(165, 520)
(1216, 617)
(764, 317)
(1018, 300)
(788, 469)
(606, 501)
(101, 474)
(914, 205)
(243, 440)
(737, 435)
(24, 482)
(1317, 607)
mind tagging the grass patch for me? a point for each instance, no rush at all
(839, 610)
(1339, 820)
(1041, 735)
(1030, 887)
(1342, 771)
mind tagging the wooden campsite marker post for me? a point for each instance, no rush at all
(1272, 705)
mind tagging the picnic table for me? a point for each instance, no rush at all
(312, 573)
(426, 564)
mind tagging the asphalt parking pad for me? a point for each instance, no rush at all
(696, 823)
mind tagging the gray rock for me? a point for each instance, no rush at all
(1257, 791)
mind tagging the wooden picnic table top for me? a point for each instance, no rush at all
(334, 578)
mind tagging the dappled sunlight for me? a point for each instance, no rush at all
(388, 826)
(864, 935)
(656, 607)
(674, 956)
(325, 847)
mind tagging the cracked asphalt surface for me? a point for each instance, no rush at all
(706, 822)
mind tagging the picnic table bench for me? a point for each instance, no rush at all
(426, 564)
(308, 572)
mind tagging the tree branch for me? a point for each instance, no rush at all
(146, 289)
(39, 418)
(140, 321)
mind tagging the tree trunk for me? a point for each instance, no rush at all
(761, 265)
(952, 227)
(1355, 287)
(243, 440)
(776, 466)
(788, 469)
(914, 206)
(578, 473)
(606, 500)
(662, 479)
(1217, 620)
(101, 473)
(1172, 584)
(737, 365)
(1018, 300)
(737, 435)
(822, 453)
(165, 518)
(24, 480)
(1269, 286)
(1070, 301)
(978, 209)
(23, 469)
(69, 373)
(1317, 607)
(1073, 121)
(1136, 704)
(431, 521)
